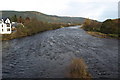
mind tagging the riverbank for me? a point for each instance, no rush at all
(107, 29)
(32, 28)
(102, 35)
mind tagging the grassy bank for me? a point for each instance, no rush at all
(107, 29)
(103, 35)
(32, 27)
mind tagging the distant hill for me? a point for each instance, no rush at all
(43, 17)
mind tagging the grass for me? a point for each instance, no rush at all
(0, 37)
(103, 35)
(114, 36)
(78, 69)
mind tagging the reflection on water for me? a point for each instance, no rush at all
(75, 27)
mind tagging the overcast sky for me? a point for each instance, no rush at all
(93, 9)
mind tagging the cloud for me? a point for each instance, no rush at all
(94, 9)
(96, 0)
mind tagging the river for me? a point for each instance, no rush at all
(48, 54)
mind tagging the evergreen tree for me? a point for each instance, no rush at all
(14, 18)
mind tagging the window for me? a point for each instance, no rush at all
(2, 25)
(2, 30)
(8, 29)
(8, 25)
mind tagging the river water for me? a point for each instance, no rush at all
(49, 54)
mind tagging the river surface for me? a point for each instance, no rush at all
(48, 54)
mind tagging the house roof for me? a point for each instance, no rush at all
(7, 20)
(4, 19)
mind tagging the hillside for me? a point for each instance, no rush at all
(43, 17)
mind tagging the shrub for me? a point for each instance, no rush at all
(78, 69)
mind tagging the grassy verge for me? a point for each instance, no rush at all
(103, 35)
(78, 69)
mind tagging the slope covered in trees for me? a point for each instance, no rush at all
(108, 28)
(44, 17)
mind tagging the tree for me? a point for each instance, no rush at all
(110, 26)
(27, 20)
(87, 24)
(14, 18)
(91, 25)
(20, 19)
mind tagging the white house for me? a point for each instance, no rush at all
(5, 26)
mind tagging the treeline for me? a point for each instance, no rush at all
(91, 25)
(109, 27)
(20, 19)
(31, 26)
